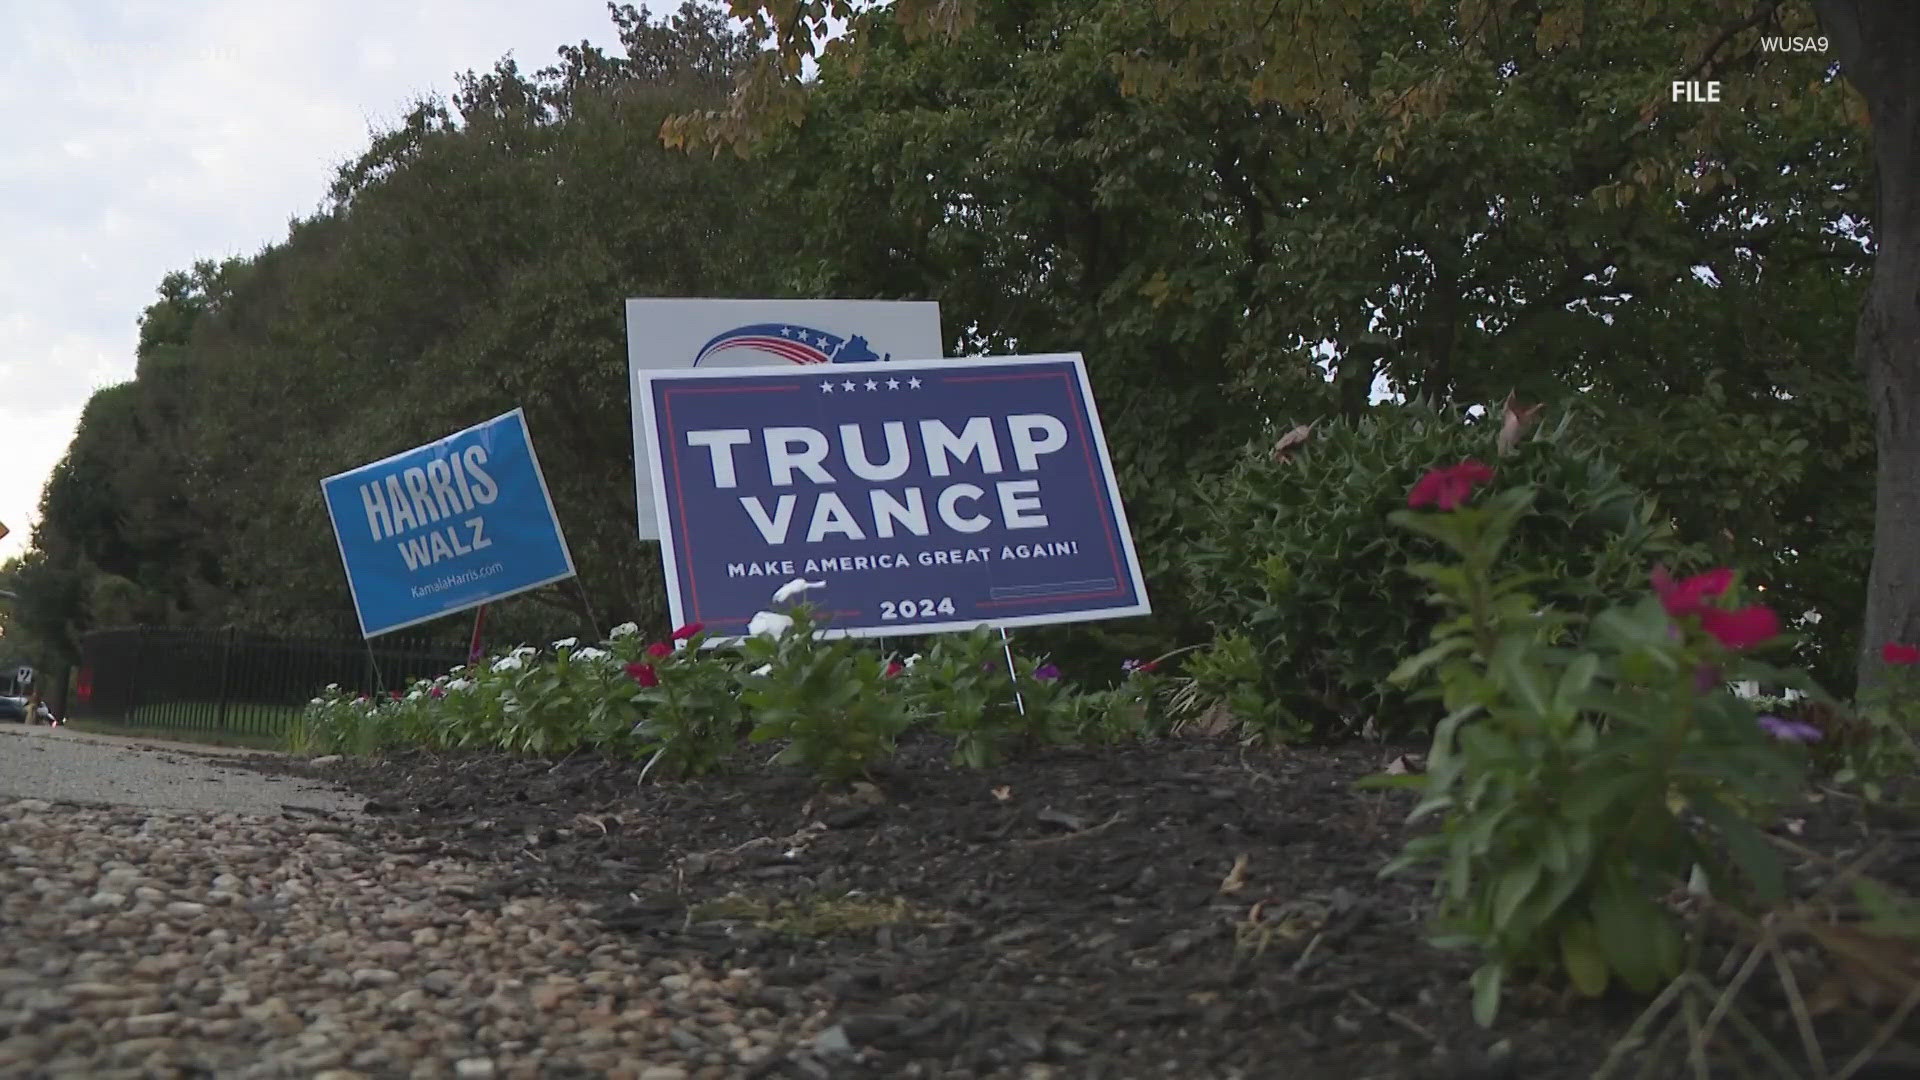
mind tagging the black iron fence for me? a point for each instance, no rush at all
(235, 681)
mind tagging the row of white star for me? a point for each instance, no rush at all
(871, 384)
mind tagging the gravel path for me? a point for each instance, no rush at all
(163, 942)
(62, 764)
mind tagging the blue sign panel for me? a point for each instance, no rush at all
(928, 495)
(450, 525)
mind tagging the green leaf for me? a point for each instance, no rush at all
(1580, 952)
(1445, 528)
(1591, 796)
(1757, 859)
(1449, 580)
(1515, 884)
(1413, 665)
(1513, 666)
(1627, 924)
(1574, 683)
(1486, 982)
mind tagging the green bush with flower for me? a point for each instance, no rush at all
(962, 688)
(836, 705)
(1295, 566)
(1586, 767)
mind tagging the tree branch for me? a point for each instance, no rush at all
(1761, 12)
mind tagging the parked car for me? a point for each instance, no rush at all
(15, 709)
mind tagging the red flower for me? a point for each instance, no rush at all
(659, 650)
(437, 692)
(1895, 653)
(1448, 488)
(1690, 597)
(1743, 628)
(395, 694)
(688, 631)
(894, 667)
(643, 674)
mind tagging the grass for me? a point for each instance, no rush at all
(814, 916)
(248, 719)
(254, 727)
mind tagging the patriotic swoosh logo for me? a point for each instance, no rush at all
(786, 341)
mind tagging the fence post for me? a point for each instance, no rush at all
(226, 670)
(133, 676)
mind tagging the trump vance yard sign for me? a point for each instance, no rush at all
(929, 495)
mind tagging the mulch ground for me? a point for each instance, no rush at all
(1076, 913)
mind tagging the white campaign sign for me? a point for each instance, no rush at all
(705, 334)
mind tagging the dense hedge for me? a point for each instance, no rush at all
(1304, 581)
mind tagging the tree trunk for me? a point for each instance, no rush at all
(1878, 45)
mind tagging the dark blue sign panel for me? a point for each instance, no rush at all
(929, 495)
(450, 525)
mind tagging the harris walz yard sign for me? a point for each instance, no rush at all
(929, 495)
(446, 526)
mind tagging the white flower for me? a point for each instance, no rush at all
(591, 653)
(507, 663)
(334, 687)
(316, 701)
(624, 629)
(459, 684)
(768, 624)
(523, 651)
(566, 643)
(414, 696)
(763, 669)
(911, 660)
(794, 588)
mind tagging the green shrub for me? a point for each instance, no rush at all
(827, 697)
(962, 687)
(837, 704)
(1587, 768)
(1298, 571)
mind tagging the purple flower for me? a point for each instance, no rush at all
(1046, 673)
(1790, 730)
(1705, 678)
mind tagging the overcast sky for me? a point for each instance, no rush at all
(142, 135)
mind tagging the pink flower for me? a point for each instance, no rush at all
(1690, 597)
(1742, 628)
(1449, 487)
(437, 692)
(659, 650)
(643, 674)
(1895, 653)
(688, 631)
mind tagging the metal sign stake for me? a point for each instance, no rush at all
(1006, 645)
